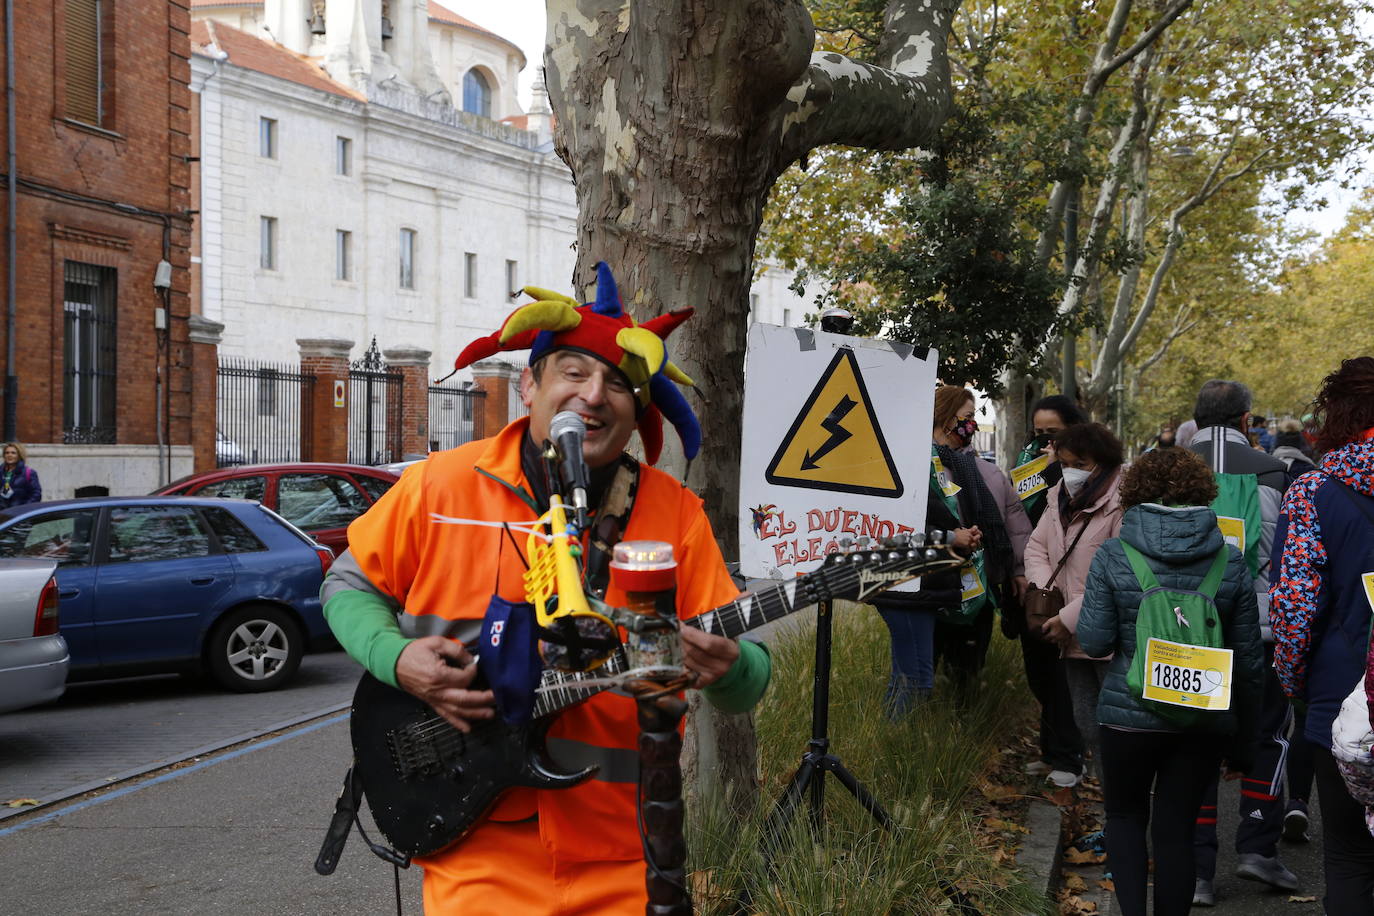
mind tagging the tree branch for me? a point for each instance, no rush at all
(838, 100)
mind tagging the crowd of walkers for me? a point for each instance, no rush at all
(1200, 613)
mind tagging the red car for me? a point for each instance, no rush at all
(319, 498)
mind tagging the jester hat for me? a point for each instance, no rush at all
(603, 329)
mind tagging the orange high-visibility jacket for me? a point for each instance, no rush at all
(443, 576)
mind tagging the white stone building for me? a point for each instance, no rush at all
(357, 179)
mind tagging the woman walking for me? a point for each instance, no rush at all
(1084, 511)
(18, 482)
(1319, 610)
(1154, 771)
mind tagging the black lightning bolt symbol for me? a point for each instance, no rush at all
(838, 433)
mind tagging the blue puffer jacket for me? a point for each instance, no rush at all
(1179, 544)
(24, 487)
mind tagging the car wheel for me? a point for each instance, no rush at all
(255, 648)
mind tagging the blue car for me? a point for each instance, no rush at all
(153, 584)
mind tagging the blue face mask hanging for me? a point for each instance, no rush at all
(508, 657)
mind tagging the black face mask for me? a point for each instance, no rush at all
(1039, 442)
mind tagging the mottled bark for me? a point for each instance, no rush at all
(676, 118)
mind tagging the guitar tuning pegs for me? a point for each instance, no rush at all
(846, 542)
(937, 538)
(918, 539)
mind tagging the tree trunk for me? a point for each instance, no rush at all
(676, 117)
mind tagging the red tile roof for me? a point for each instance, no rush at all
(252, 53)
(447, 16)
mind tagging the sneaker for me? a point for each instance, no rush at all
(1064, 779)
(1267, 870)
(1203, 895)
(1038, 768)
(1295, 822)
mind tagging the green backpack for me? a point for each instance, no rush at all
(1238, 514)
(1186, 674)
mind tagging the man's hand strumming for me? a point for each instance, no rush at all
(438, 671)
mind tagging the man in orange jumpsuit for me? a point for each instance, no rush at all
(416, 581)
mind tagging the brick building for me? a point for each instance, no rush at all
(109, 368)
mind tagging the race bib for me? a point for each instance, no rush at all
(1232, 531)
(943, 477)
(1029, 478)
(970, 583)
(1184, 675)
(1368, 580)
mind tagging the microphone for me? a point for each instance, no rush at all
(568, 431)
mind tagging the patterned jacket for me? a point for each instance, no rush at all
(1319, 610)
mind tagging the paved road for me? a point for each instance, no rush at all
(101, 732)
(236, 833)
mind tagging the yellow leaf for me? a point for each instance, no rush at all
(1107, 884)
(1079, 857)
(1074, 883)
(20, 802)
(1296, 899)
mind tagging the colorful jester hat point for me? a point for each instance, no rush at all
(603, 329)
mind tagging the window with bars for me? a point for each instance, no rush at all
(407, 278)
(88, 351)
(87, 72)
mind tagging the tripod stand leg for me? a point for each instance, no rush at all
(856, 788)
(782, 812)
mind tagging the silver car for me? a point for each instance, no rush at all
(33, 656)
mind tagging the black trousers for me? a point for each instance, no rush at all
(964, 648)
(1261, 789)
(1347, 847)
(1061, 745)
(1154, 780)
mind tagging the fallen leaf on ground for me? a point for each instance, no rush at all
(1074, 883)
(20, 802)
(1107, 884)
(1061, 797)
(997, 823)
(1296, 899)
(997, 793)
(1081, 857)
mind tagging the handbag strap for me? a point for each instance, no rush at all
(1065, 558)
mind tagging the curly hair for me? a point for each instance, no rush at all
(1172, 476)
(1345, 405)
(1095, 441)
(948, 401)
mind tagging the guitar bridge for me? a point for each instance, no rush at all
(415, 748)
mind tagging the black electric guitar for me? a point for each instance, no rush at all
(427, 783)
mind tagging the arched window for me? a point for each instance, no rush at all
(476, 94)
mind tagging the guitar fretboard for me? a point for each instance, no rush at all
(751, 610)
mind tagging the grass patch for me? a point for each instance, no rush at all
(924, 770)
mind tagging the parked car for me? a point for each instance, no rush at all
(227, 451)
(319, 498)
(33, 655)
(150, 584)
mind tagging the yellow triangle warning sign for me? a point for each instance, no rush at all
(835, 443)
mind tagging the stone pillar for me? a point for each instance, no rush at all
(324, 435)
(413, 364)
(204, 337)
(498, 380)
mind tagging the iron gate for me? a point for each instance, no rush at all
(455, 416)
(262, 413)
(374, 410)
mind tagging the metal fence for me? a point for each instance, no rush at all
(455, 416)
(262, 412)
(374, 410)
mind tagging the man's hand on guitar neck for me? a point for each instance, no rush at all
(706, 656)
(438, 671)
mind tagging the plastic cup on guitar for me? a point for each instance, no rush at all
(646, 572)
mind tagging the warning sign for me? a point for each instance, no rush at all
(835, 442)
(836, 446)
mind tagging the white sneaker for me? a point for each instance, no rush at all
(1038, 768)
(1064, 779)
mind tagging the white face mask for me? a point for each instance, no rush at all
(1074, 478)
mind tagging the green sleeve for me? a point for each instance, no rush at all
(366, 627)
(745, 682)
